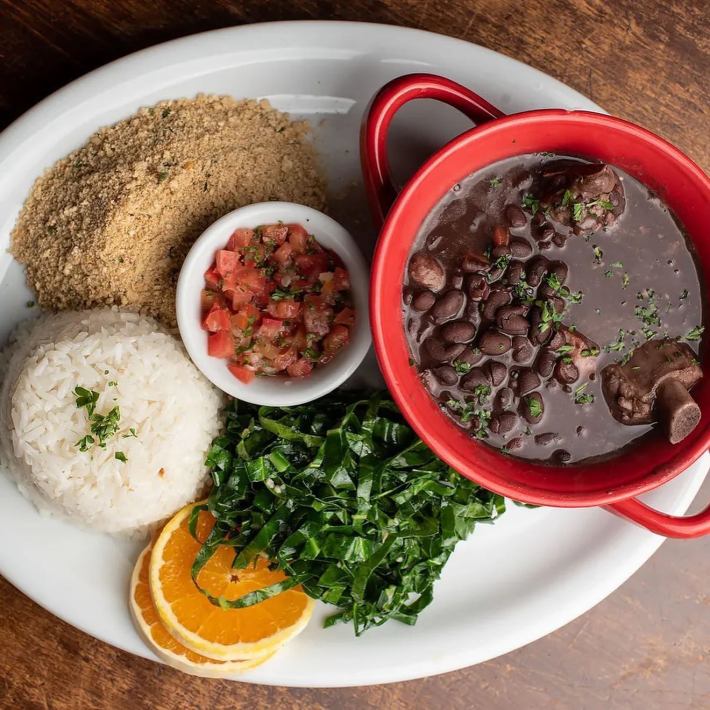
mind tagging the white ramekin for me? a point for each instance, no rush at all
(273, 391)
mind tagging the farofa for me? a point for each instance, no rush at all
(111, 223)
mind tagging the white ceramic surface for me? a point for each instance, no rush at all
(510, 583)
(273, 391)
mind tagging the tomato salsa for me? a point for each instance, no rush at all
(276, 302)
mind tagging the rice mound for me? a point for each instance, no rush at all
(133, 364)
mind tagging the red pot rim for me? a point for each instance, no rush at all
(652, 467)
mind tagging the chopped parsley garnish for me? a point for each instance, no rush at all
(582, 397)
(534, 406)
(549, 316)
(495, 181)
(695, 333)
(648, 314)
(481, 393)
(561, 290)
(598, 254)
(462, 367)
(625, 280)
(102, 426)
(608, 273)
(131, 433)
(120, 456)
(280, 294)
(589, 352)
(311, 353)
(617, 265)
(566, 197)
(531, 203)
(601, 203)
(163, 175)
(618, 345)
(577, 211)
(683, 294)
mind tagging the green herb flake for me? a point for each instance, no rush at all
(120, 456)
(531, 203)
(462, 367)
(577, 211)
(163, 175)
(695, 333)
(566, 197)
(86, 398)
(582, 397)
(495, 182)
(30, 304)
(534, 406)
(598, 254)
(625, 280)
(589, 352)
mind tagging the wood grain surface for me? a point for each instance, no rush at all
(646, 646)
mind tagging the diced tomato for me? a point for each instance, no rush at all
(341, 279)
(297, 237)
(336, 339)
(246, 316)
(255, 254)
(217, 319)
(238, 297)
(312, 264)
(208, 299)
(243, 374)
(345, 317)
(283, 254)
(276, 233)
(246, 279)
(240, 238)
(286, 309)
(317, 315)
(284, 359)
(299, 339)
(270, 328)
(300, 368)
(226, 262)
(220, 344)
(212, 278)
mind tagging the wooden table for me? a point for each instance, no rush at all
(646, 646)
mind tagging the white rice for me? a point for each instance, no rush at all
(173, 409)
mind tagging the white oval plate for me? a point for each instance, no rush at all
(509, 584)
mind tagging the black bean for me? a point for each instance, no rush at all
(527, 381)
(470, 356)
(520, 248)
(532, 407)
(474, 262)
(557, 341)
(446, 375)
(458, 331)
(447, 306)
(540, 332)
(497, 372)
(545, 234)
(503, 423)
(523, 349)
(538, 219)
(498, 297)
(515, 216)
(441, 352)
(473, 379)
(559, 240)
(478, 288)
(504, 399)
(423, 301)
(543, 246)
(558, 304)
(535, 270)
(426, 271)
(546, 439)
(566, 372)
(561, 456)
(545, 362)
(514, 272)
(511, 320)
(500, 236)
(515, 444)
(559, 269)
(472, 312)
(501, 251)
(494, 343)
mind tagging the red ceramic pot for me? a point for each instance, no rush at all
(679, 182)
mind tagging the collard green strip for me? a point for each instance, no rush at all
(343, 497)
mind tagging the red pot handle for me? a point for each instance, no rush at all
(381, 192)
(683, 527)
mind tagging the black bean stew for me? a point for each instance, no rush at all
(553, 307)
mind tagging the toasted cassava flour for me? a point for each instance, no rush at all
(111, 223)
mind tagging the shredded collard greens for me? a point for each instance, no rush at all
(346, 499)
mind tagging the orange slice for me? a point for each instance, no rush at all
(209, 630)
(146, 618)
